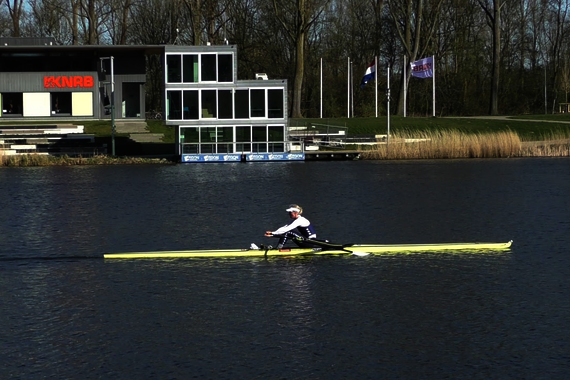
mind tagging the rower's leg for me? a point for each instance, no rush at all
(286, 236)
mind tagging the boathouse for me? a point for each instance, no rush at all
(217, 118)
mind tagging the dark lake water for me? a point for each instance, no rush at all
(65, 313)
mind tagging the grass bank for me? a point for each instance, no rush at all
(455, 144)
(448, 137)
(527, 127)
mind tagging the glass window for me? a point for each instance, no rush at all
(242, 104)
(225, 135)
(208, 104)
(173, 70)
(243, 134)
(190, 148)
(225, 104)
(207, 148)
(259, 133)
(225, 68)
(12, 103)
(190, 138)
(275, 103)
(207, 134)
(191, 105)
(190, 67)
(189, 135)
(61, 103)
(257, 103)
(174, 105)
(276, 133)
(208, 67)
(276, 148)
(243, 148)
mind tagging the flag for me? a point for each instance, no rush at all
(369, 74)
(423, 68)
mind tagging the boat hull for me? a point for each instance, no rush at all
(339, 250)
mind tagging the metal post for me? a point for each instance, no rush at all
(321, 87)
(351, 89)
(405, 85)
(388, 109)
(433, 85)
(376, 83)
(545, 101)
(113, 128)
(348, 92)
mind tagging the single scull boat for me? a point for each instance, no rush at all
(327, 249)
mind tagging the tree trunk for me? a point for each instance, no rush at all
(125, 22)
(299, 73)
(494, 107)
(15, 11)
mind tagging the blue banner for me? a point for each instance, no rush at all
(189, 158)
(275, 157)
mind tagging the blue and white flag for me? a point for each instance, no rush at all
(423, 68)
(369, 74)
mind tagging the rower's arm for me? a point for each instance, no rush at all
(288, 227)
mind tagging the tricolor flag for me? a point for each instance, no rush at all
(369, 74)
(423, 68)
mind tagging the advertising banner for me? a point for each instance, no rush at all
(189, 158)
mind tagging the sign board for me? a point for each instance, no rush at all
(75, 81)
(189, 158)
(275, 157)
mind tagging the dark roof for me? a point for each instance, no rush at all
(27, 41)
(9, 45)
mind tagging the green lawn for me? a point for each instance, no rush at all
(528, 127)
(524, 126)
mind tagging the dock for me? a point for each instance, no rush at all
(332, 155)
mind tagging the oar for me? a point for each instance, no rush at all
(343, 247)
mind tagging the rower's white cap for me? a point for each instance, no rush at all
(295, 208)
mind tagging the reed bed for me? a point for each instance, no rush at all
(549, 148)
(45, 160)
(454, 144)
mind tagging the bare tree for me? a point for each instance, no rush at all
(416, 24)
(297, 17)
(4, 21)
(120, 21)
(492, 9)
(15, 9)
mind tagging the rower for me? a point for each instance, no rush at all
(304, 229)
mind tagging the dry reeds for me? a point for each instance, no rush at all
(454, 144)
(555, 144)
(45, 160)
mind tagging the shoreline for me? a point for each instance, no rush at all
(529, 149)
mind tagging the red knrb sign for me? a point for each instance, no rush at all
(68, 82)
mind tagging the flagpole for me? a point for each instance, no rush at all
(388, 109)
(348, 92)
(376, 82)
(433, 83)
(352, 88)
(321, 87)
(405, 85)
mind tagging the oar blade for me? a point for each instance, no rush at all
(359, 253)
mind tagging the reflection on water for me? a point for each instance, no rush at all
(67, 313)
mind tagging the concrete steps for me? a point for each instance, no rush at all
(62, 139)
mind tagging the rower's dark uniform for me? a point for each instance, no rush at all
(304, 230)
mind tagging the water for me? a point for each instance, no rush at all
(66, 313)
